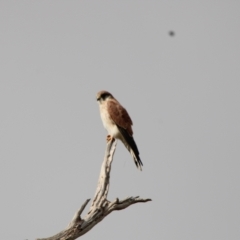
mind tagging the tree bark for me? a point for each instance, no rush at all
(100, 207)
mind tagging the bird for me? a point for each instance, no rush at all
(118, 123)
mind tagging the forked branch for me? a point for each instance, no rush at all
(100, 207)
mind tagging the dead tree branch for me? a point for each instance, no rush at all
(100, 207)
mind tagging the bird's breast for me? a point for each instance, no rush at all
(108, 123)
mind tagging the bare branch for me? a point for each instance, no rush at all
(100, 207)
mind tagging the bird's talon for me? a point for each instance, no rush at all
(109, 138)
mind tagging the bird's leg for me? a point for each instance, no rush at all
(109, 138)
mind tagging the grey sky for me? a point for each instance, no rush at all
(182, 93)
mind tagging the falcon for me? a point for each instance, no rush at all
(118, 123)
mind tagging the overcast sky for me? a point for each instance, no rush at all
(182, 92)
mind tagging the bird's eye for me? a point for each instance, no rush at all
(104, 96)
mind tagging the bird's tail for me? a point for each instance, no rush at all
(137, 160)
(131, 146)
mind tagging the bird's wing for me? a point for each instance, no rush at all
(120, 115)
(124, 123)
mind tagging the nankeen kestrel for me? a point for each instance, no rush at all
(118, 123)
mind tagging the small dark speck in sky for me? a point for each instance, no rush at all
(171, 33)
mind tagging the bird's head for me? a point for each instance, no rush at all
(103, 96)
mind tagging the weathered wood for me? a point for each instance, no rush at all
(100, 207)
